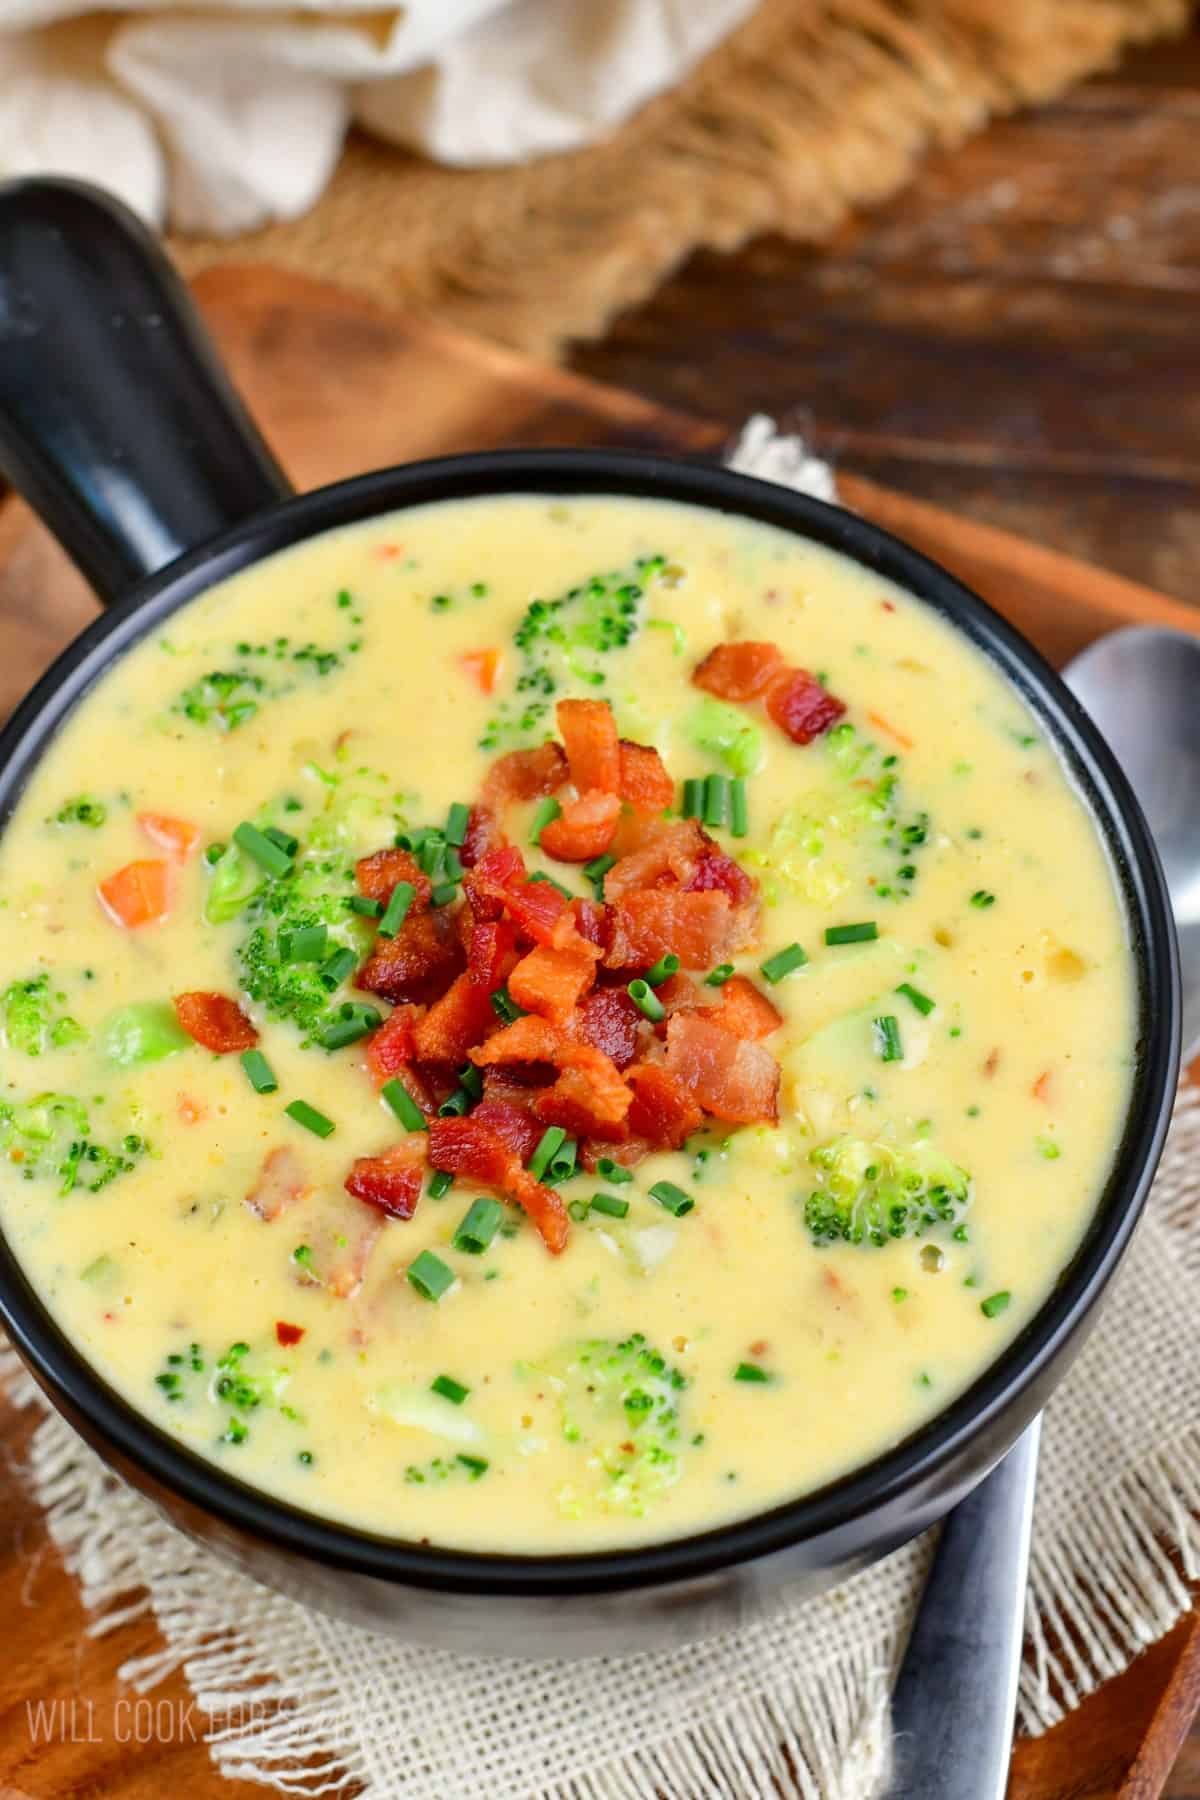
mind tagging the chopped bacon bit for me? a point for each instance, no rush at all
(663, 1111)
(465, 1147)
(645, 783)
(733, 1078)
(418, 963)
(609, 1020)
(671, 851)
(138, 894)
(492, 953)
(800, 706)
(739, 671)
(583, 829)
(377, 875)
(215, 1021)
(514, 1124)
(483, 834)
(540, 912)
(391, 1048)
(882, 724)
(592, 922)
(392, 1181)
(178, 837)
(526, 1040)
(888, 605)
(718, 873)
(286, 1334)
(487, 884)
(589, 735)
(1041, 1087)
(481, 666)
(700, 929)
(991, 1063)
(628, 1152)
(524, 775)
(589, 1099)
(679, 993)
(282, 1181)
(190, 1110)
(552, 982)
(745, 1010)
(461, 1018)
(543, 1205)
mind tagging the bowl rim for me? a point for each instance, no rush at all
(79, 1390)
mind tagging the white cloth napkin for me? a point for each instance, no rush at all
(792, 1706)
(221, 120)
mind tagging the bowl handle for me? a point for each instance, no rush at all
(117, 421)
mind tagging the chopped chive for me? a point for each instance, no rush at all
(611, 1205)
(475, 1466)
(548, 1145)
(452, 864)
(865, 933)
(396, 911)
(470, 1078)
(664, 968)
(355, 1023)
(455, 1105)
(449, 1389)
(994, 1305)
(980, 897)
(310, 1118)
(547, 810)
(307, 944)
(259, 1072)
(257, 845)
(505, 1007)
(888, 1047)
(432, 854)
(282, 840)
(716, 799)
(750, 1372)
(692, 804)
(597, 869)
(440, 1183)
(562, 1164)
(672, 1198)
(719, 976)
(782, 963)
(646, 1000)
(541, 875)
(396, 1095)
(577, 1210)
(479, 1226)
(922, 1002)
(430, 1275)
(443, 893)
(362, 903)
(339, 965)
(739, 810)
(457, 820)
(613, 1171)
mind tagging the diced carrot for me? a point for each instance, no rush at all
(177, 837)
(552, 982)
(589, 735)
(732, 1078)
(388, 552)
(215, 1021)
(524, 775)
(378, 874)
(190, 1110)
(644, 782)
(745, 1010)
(287, 1335)
(455, 1024)
(739, 671)
(583, 829)
(662, 1112)
(1041, 1087)
(884, 725)
(481, 666)
(418, 963)
(139, 894)
(390, 1182)
(800, 706)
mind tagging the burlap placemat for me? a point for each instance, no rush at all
(812, 108)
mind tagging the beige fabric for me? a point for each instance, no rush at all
(310, 1706)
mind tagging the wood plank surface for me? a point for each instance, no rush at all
(339, 388)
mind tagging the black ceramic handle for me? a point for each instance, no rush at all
(117, 422)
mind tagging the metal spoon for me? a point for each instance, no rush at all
(955, 1697)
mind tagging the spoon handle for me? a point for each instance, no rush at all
(956, 1694)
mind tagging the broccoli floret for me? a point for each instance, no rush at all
(619, 1402)
(225, 698)
(238, 1385)
(29, 1024)
(870, 1191)
(48, 1138)
(82, 809)
(727, 732)
(314, 892)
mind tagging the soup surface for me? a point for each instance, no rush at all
(375, 1168)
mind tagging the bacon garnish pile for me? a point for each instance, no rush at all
(581, 1055)
(794, 699)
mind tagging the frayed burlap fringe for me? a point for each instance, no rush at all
(812, 108)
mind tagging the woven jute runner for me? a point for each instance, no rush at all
(812, 108)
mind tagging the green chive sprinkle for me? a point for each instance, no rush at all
(719, 976)
(597, 869)
(336, 969)
(456, 1104)
(259, 1072)
(888, 1047)
(457, 820)
(310, 1118)
(432, 855)
(355, 1022)
(547, 810)
(611, 1205)
(396, 1095)
(479, 1227)
(505, 1007)
(443, 894)
(782, 963)
(750, 1372)
(922, 1002)
(452, 864)
(282, 840)
(671, 1198)
(692, 804)
(994, 1305)
(865, 933)
(305, 945)
(549, 1144)
(646, 1000)
(664, 968)
(449, 1389)
(739, 810)
(470, 1078)
(262, 849)
(562, 1163)
(980, 897)
(396, 911)
(430, 1275)
(362, 903)
(474, 1465)
(440, 1183)
(613, 1171)
(716, 799)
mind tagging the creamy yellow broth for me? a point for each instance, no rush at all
(163, 1270)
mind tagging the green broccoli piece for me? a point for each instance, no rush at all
(869, 1192)
(314, 892)
(82, 809)
(727, 732)
(224, 698)
(620, 1403)
(29, 1024)
(48, 1138)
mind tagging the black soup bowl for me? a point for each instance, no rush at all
(119, 426)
